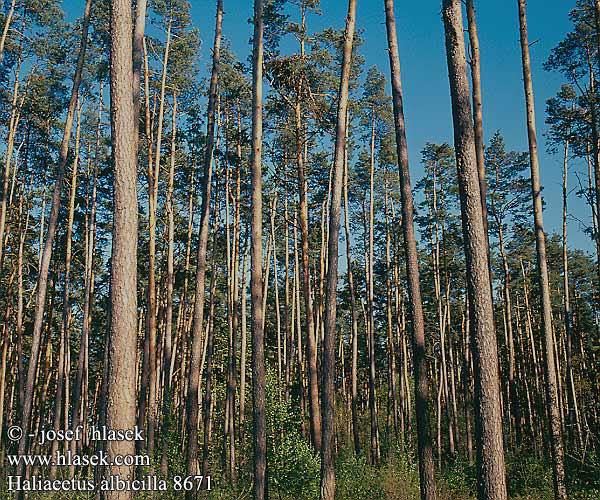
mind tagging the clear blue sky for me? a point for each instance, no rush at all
(424, 72)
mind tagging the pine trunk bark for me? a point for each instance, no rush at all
(354, 313)
(553, 410)
(198, 320)
(425, 451)
(168, 328)
(488, 412)
(256, 258)
(122, 352)
(328, 385)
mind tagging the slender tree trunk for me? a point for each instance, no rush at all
(196, 352)
(574, 423)
(167, 396)
(256, 278)
(143, 393)
(122, 353)
(354, 313)
(426, 470)
(66, 313)
(488, 414)
(311, 341)
(560, 492)
(66, 316)
(328, 386)
(208, 400)
(288, 315)
(298, 326)
(375, 453)
(391, 343)
(151, 317)
(477, 110)
(243, 339)
(88, 300)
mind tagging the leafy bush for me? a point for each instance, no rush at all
(293, 466)
(400, 477)
(356, 479)
(459, 480)
(528, 477)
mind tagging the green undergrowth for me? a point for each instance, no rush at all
(294, 474)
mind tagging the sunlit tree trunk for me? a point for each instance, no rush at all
(311, 341)
(375, 453)
(488, 414)
(167, 382)
(574, 422)
(122, 352)
(540, 240)
(425, 452)
(198, 318)
(354, 313)
(63, 370)
(256, 254)
(328, 385)
(477, 109)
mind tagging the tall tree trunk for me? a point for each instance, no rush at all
(152, 313)
(167, 397)
(144, 375)
(328, 385)
(354, 313)
(375, 453)
(574, 423)
(196, 352)
(311, 341)
(560, 492)
(477, 110)
(91, 230)
(298, 326)
(208, 400)
(256, 278)
(66, 313)
(488, 413)
(391, 343)
(425, 451)
(78, 387)
(122, 370)
(42, 282)
(243, 338)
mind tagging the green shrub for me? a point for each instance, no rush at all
(400, 477)
(528, 477)
(293, 466)
(356, 479)
(459, 480)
